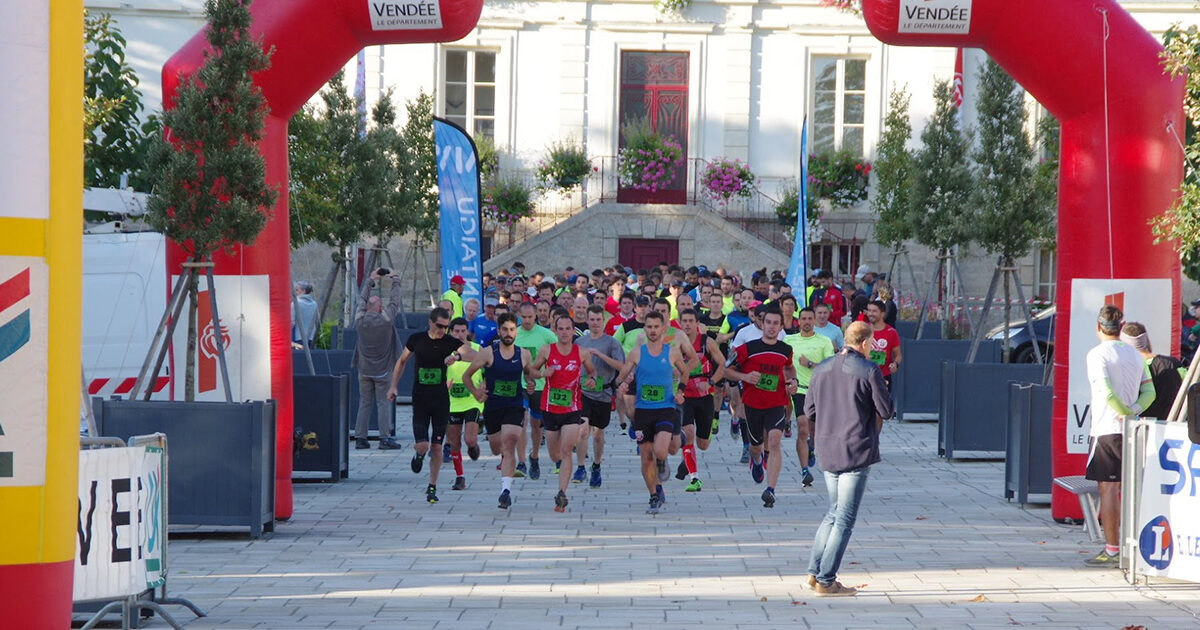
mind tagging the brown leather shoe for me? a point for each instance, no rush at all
(811, 582)
(834, 590)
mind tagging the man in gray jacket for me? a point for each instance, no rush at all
(847, 402)
(374, 356)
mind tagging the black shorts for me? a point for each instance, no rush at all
(554, 421)
(798, 404)
(462, 417)
(535, 405)
(760, 421)
(430, 418)
(493, 419)
(597, 412)
(698, 411)
(1104, 457)
(649, 422)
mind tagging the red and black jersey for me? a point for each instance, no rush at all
(702, 372)
(769, 360)
(562, 382)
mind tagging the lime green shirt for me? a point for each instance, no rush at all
(726, 304)
(461, 399)
(456, 300)
(533, 340)
(816, 348)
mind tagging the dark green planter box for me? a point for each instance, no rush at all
(322, 407)
(972, 420)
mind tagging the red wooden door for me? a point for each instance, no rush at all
(654, 85)
(646, 253)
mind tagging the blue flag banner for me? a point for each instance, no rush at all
(797, 273)
(458, 203)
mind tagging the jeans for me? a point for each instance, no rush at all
(845, 494)
(373, 391)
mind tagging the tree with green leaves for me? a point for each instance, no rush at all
(1012, 213)
(345, 180)
(209, 191)
(418, 171)
(893, 179)
(1181, 223)
(939, 200)
(116, 142)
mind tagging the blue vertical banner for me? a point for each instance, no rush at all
(797, 273)
(458, 204)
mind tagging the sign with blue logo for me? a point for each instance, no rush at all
(1168, 522)
(458, 201)
(23, 370)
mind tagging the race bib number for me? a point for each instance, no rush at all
(768, 382)
(506, 389)
(429, 376)
(458, 390)
(879, 356)
(560, 397)
(697, 371)
(599, 385)
(653, 393)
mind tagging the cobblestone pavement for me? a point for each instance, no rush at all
(936, 546)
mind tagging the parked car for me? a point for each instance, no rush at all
(1021, 338)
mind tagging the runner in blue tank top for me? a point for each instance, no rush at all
(658, 367)
(502, 397)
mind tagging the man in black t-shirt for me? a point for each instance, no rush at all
(1166, 372)
(433, 351)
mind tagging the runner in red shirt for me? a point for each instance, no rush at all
(623, 314)
(559, 363)
(885, 346)
(833, 297)
(764, 367)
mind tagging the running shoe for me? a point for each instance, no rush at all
(787, 430)
(1103, 560)
(655, 505)
(681, 472)
(560, 502)
(662, 496)
(460, 483)
(663, 474)
(445, 453)
(756, 472)
(473, 452)
(431, 494)
(505, 500)
(632, 433)
(580, 475)
(745, 454)
(624, 425)
(716, 425)
(694, 486)
(596, 480)
(519, 473)
(734, 428)
(535, 469)
(418, 461)
(806, 477)
(768, 498)
(812, 453)
(557, 467)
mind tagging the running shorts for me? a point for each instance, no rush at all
(760, 421)
(1104, 457)
(698, 411)
(493, 419)
(430, 418)
(554, 421)
(649, 422)
(597, 412)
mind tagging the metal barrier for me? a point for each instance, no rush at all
(152, 599)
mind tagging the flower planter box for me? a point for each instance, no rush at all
(916, 386)
(1027, 457)
(321, 405)
(972, 420)
(222, 458)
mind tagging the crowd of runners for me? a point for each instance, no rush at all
(546, 362)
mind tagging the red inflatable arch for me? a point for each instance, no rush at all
(1055, 50)
(312, 40)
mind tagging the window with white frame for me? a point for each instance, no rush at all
(469, 89)
(1045, 262)
(839, 93)
(840, 259)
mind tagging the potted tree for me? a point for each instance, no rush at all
(564, 168)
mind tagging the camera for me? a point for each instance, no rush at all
(384, 271)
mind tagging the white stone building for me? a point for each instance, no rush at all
(730, 78)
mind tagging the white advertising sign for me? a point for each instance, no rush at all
(242, 303)
(935, 16)
(1168, 521)
(395, 15)
(23, 365)
(25, 125)
(1145, 300)
(121, 529)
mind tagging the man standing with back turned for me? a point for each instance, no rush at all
(847, 401)
(1121, 387)
(373, 357)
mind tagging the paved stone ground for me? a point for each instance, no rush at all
(936, 546)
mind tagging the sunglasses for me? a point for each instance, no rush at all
(440, 326)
